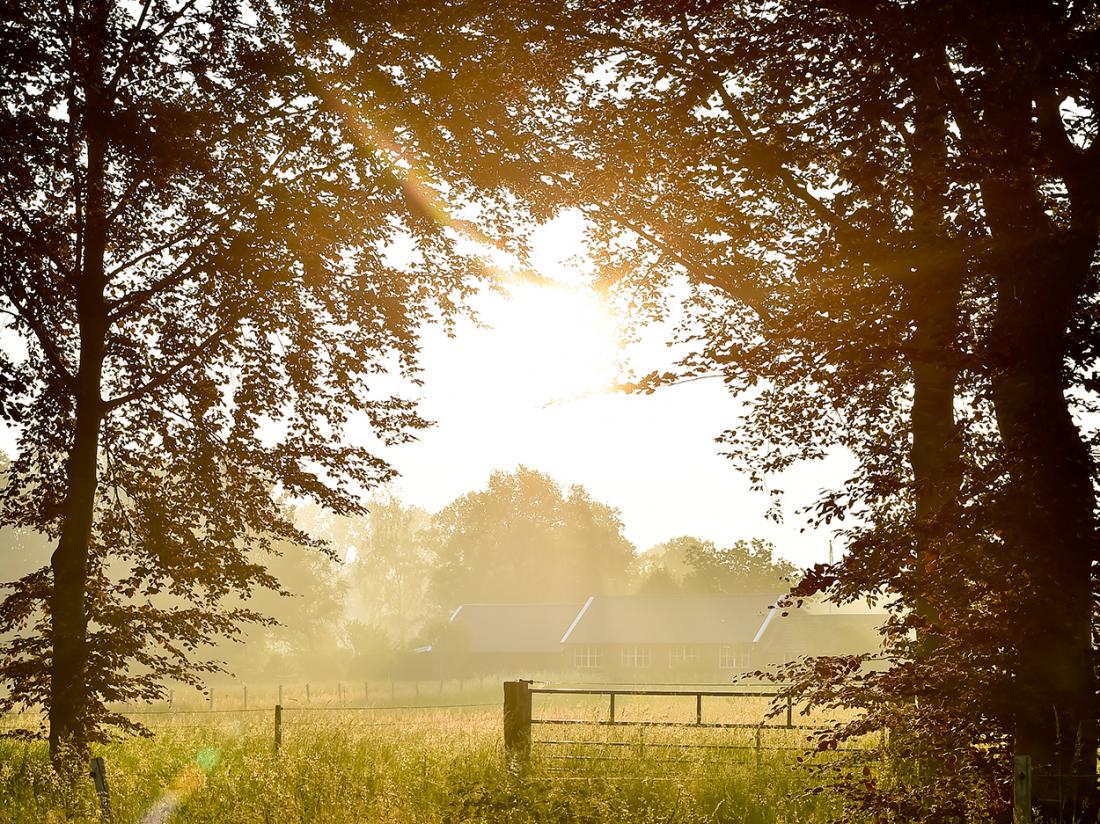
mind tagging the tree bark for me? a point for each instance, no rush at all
(1041, 272)
(934, 308)
(69, 690)
(1048, 521)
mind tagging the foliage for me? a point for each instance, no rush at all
(307, 613)
(193, 249)
(885, 249)
(521, 539)
(694, 566)
(389, 575)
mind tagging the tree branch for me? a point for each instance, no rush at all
(124, 61)
(130, 303)
(1070, 162)
(164, 376)
(48, 344)
(775, 168)
(753, 298)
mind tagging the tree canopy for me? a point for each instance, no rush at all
(524, 539)
(884, 221)
(194, 247)
(693, 566)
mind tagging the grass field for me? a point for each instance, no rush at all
(387, 764)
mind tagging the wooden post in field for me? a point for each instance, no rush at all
(171, 697)
(307, 693)
(1021, 790)
(340, 692)
(245, 690)
(790, 711)
(210, 704)
(366, 693)
(611, 709)
(517, 720)
(278, 726)
(699, 708)
(99, 776)
(758, 732)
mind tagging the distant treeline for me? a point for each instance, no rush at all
(389, 581)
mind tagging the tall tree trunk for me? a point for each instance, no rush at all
(1048, 519)
(1048, 509)
(934, 308)
(69, 694)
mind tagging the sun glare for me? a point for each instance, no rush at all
(563, 342)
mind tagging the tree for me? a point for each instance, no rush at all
(307, 612)
(388, 578)
(866, 230)
(521, 539)
(690, 565)
(193, 248)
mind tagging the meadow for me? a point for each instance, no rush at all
(401, 763)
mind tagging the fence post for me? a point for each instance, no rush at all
(366, 693)
(759, 730)
(517, 719)
(99, 776)
(1021, 790)
(245, 688)
(790, 708)
(211, 703)
(699, 708)
(278, 726)
(340, 692)
(611, 709)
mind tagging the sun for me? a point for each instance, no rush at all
(565, 339)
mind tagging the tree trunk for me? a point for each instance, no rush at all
(1048, 522)
(1047, 513)
(934, 308)
(68, 675)
(69, 692)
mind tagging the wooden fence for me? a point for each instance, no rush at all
(519, 718)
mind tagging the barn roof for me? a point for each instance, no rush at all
(513, 627)
(673, 619)
(820, 633)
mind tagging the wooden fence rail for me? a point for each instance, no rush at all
(518, 717)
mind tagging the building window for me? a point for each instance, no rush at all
(734, 657)
(683, 656)
(587, 657)
(635, 656)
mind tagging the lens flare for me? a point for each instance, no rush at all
(187, 782)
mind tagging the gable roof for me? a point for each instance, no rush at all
(673, 619)
(514, 627)
(821, 633)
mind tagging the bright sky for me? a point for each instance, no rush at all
(529, 389)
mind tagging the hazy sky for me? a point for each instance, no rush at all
(529, 387)
(529, 390)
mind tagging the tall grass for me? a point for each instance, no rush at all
(425, 765)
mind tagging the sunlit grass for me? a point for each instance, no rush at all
(429, 765)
